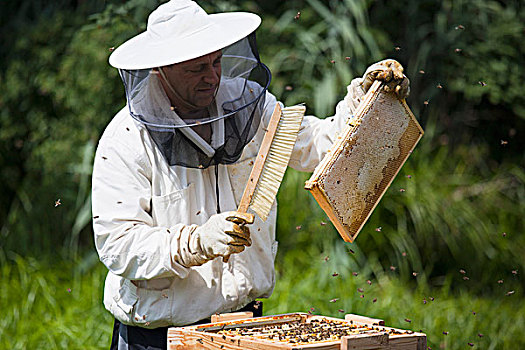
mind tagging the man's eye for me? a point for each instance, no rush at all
(195, 70)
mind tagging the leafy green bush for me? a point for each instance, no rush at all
(464, 58)
(56, 102)
(314, 55)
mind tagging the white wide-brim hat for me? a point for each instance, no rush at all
(181, 30)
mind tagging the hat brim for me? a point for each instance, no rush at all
(141, 52)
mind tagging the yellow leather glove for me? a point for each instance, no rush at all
(222, 235)
(391, 73)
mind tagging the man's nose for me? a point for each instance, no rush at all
(212, 76)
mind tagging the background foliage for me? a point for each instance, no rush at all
(464, 197)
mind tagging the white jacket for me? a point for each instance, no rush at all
(142, 208)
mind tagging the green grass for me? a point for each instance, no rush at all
(52, 305)
(58, 304)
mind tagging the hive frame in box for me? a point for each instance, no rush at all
(375, 336)
(364, 160)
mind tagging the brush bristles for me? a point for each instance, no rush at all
(277, 160)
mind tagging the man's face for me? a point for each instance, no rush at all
(195, 81)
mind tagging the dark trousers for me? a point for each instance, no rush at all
(138, 338)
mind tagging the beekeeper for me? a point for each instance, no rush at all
(172, 165)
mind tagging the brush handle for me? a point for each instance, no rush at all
(243, 216)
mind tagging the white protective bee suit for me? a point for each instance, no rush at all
(144, 211)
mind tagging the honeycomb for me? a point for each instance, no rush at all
(361, 167)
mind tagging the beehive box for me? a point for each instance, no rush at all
(358, 169)
(295, 331)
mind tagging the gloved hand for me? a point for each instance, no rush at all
(222, 235)
(391, 72)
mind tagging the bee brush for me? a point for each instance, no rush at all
(271, 163)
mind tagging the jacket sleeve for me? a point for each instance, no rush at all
(126, 239)
(316, 136)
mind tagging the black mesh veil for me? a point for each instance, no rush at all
(234, 115)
